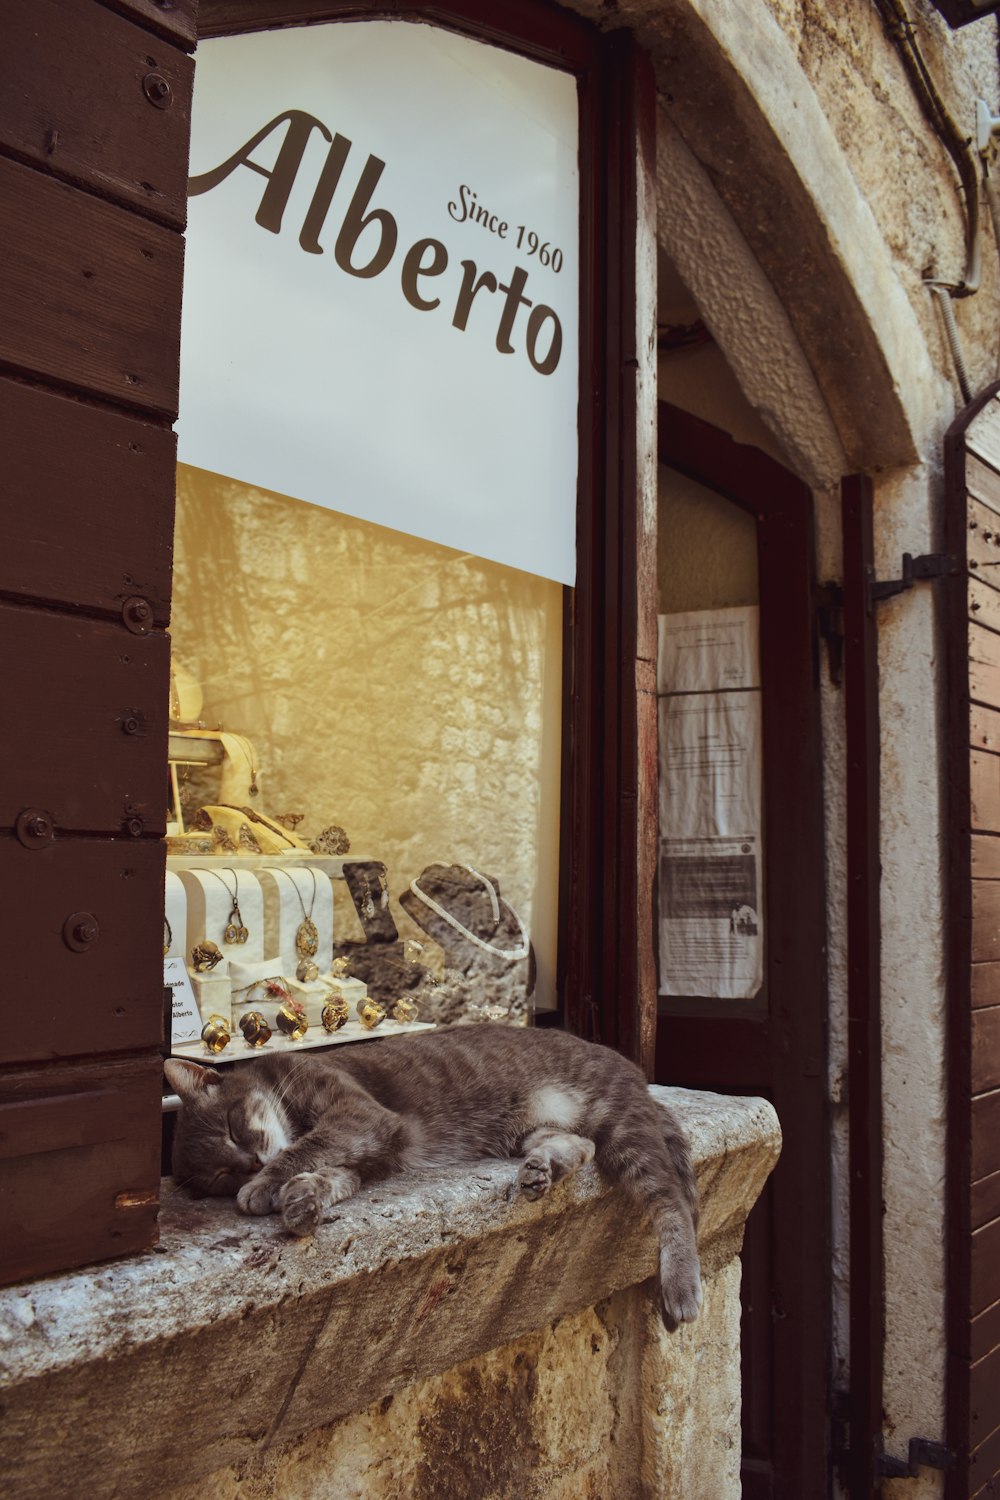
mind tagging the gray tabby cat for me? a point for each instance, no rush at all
(297, 1135)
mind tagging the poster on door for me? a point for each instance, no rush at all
(711, 940)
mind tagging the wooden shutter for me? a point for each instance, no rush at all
(972, 454)
(94, 126)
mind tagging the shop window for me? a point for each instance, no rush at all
(375, 536)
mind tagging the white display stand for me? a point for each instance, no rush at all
(289, 896)
(209, 903)
(175, 911)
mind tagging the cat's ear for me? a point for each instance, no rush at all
(188, 1079)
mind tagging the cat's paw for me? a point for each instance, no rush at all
(258, 1196)
(680, 1286)
(535, 1176)
(301, 1202)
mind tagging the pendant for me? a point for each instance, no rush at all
(307, 938)
(235, 931)
(368, 906)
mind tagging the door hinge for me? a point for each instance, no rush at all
(923, 1453)
(915, 570)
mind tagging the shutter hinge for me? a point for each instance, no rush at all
(922, 1453)
(830, 615)
(915, 570)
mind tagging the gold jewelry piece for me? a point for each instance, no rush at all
(273, 987)
(307, 933)
(307, 971)
(235, 931)
(215, 1033)
(222, 841)
(205, 955)
(335, 1013)
(255, 1029)
(168, 936)
(405, 1010)
(291, 1019)
(370, 1014)
(340, 968)
(247, 840)
(290, 821)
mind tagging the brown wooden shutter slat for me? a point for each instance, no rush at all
(115, 141)
(84, 305)
(985, 1200)
(79, 525)
(175, 19)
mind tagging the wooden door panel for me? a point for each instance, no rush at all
(985, 1267)
(83, 523)
(106, 997)
(985, 1332)
(985, 921)
(985, 772)
(85, 306)
(116, 141)
(87, 742)
(985, 1200)
(94, 1144)
(986, 1050)
(985, 984)
(985, 1135)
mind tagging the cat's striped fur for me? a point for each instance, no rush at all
(297, 1135)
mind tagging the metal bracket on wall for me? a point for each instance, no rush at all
(915, 570)
(922, 1453)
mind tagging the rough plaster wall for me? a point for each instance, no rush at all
(603, 1405)
(913, 978)
(406, 691)
(790, 109)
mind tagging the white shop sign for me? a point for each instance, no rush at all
(381, 286)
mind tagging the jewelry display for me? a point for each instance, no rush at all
(255, 1029)
(307, 933)
(405, 1011)
(508, 953)
(168, 936)
(235, 931)
(205, 955)
(216, 1033)
(291, 1019)
(370, 1014)
(335, 1013)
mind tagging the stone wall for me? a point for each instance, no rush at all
(436, 1338)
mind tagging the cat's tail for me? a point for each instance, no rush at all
(647, 1152)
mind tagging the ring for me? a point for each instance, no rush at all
(215, 1033)
(335, 1013)
(291, 1020)
(255, 1029)
(370, 1014)
(405, 1010)
(205, 955)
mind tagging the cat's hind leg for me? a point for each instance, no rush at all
(549, 1155)
(303, 1199)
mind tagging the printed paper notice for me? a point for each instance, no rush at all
(710, 886)
(704, 650)
(185, 1018)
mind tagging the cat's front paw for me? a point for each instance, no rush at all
(301, 1202)
(535, 1176)
(258, 1196)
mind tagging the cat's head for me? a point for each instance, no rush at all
(227, 1129)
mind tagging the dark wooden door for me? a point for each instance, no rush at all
(776, 1046)
(972, 456)
(94, 125)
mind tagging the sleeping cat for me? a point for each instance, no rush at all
(296, 1135)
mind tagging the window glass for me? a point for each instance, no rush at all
(711, 872)
(376, 519)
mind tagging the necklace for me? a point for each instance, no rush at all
(232, 741)
(307, 933)
(235, 931)
(168, 936)
(446, 916)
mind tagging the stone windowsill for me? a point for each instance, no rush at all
(235, 1335)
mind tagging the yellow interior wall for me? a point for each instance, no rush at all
(408, 692)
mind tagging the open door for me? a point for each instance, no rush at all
(741, 895)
